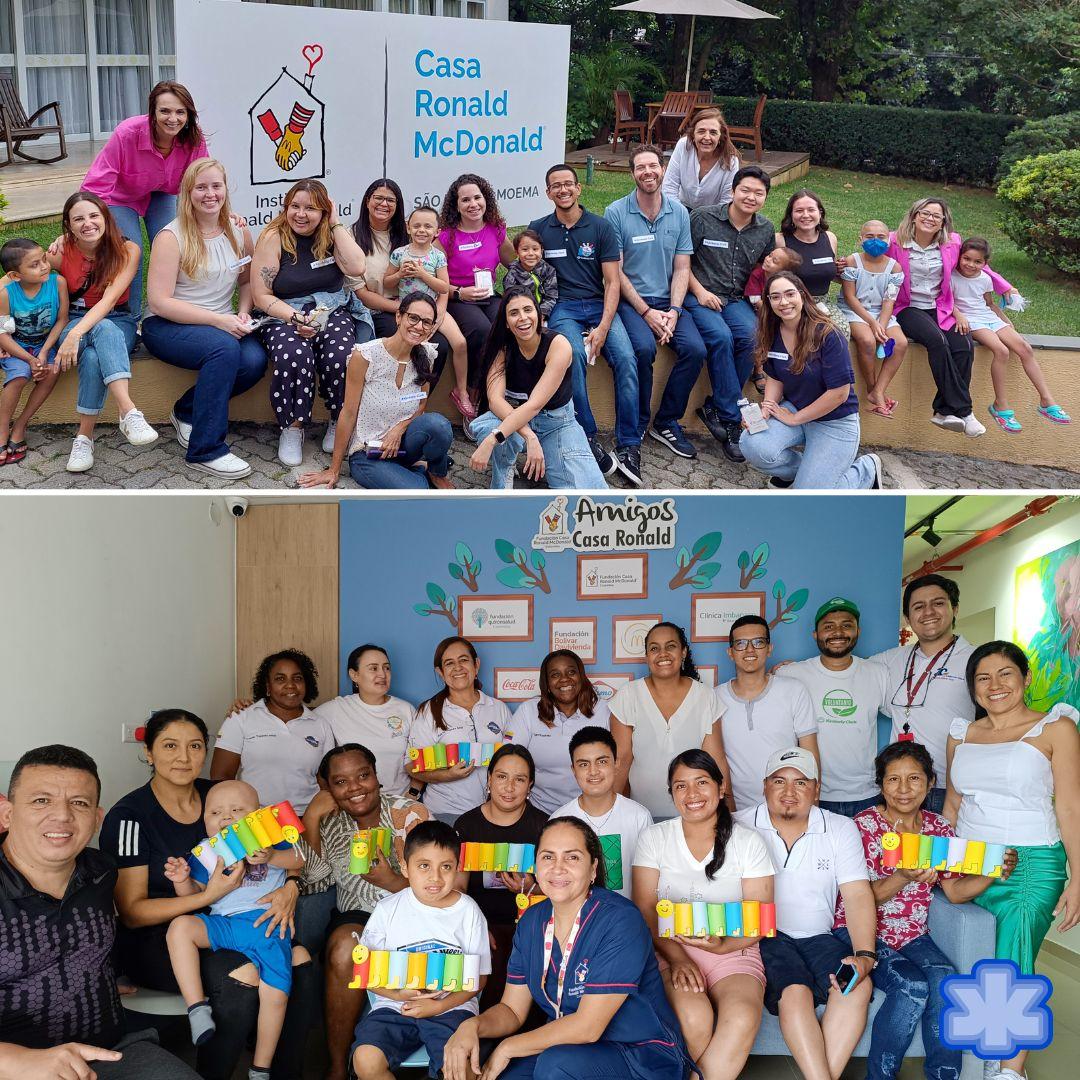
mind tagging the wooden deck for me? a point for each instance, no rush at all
(39, 191)
(782, 166)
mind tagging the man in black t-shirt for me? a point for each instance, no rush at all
(59, 1007)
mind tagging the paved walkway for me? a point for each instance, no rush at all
(162, 465)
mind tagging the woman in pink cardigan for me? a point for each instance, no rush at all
(928, 250)
(139, 169)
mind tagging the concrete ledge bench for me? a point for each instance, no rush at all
(155, 386)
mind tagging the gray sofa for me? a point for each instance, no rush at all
(964, 933)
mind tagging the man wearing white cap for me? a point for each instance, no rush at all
(817, 854)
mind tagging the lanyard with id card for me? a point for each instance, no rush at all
(549, 940)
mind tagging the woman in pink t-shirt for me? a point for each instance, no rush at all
(473, 236)
(138, 171)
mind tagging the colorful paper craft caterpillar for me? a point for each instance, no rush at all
(740, 918)
(443, 755)
(263, 829)
(374, 968)
(363, 844)
(525, 901)
(912, 851)
(511, 858)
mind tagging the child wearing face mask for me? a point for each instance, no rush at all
(870, 282)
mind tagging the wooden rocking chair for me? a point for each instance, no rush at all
(16, 127)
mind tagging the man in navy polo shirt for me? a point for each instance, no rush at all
(654, 234)
(582, 248)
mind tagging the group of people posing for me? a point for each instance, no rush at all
(366, 316)
(772, 789)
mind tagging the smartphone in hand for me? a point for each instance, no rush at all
(847, 975)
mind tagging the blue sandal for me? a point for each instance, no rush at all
(1055, 413)
(1006, 420)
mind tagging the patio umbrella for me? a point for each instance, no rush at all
(722, 9)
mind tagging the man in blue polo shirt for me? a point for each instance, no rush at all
(582, 248)
(654, 234)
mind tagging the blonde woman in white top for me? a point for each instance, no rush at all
(667, 712)
(372, 717)
(1014, 779)
(703, 163)
(459, 712)
(196, 264)
(383, 426)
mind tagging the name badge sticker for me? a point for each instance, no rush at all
(778, 356)
(554, 253)
(647, 239)
(823, 261)
(240, 262)
(475, 246)
(319, 263)
(714, 243)
(416, 395)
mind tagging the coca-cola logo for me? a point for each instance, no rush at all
(519, 684)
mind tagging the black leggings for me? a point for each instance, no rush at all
(386, 324)
(950, 354)
(474, 319)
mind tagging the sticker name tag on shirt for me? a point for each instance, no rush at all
(554, 253)
(474, 246)
(319, 263)
(240, 262)
(778, 355)
(823, 261)
(648, 239)
(417, 395)
(714, 243)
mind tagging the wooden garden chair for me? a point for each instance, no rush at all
(674, 109)
(751, 135)
(16, 127)
(625, 124)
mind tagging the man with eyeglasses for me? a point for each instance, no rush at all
(847, 693)
(818, 855)
(764, 713)
(927, 681)
(583, 250)
(729, 241)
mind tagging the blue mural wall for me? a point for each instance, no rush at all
(400, 557)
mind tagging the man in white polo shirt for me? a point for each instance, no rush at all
(817, 854)
(847, 693)
(763, 713)
(927, 681)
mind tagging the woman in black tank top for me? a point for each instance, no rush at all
(526, 379)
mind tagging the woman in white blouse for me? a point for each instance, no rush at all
(704, 855)
(702, 164)
(546, 724)
(1014, 779)
(459, 712)
(372, 717)
(667, 712)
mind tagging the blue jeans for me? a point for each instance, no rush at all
(159, 213)
(730, 337)
(104, 357)
(427, 438)
(568, 461)
(849, 808)
(227, 366)
(689, 351)
(829, 458)
(573, 319)
(911, 980)
(602, 1060)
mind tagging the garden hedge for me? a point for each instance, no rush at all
(929, 144)
(1045, 136)
(1040, 201)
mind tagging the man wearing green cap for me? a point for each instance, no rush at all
(847, 692)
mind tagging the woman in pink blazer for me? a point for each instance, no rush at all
(927, 250)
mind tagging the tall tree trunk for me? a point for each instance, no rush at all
(704, 55)
(824, 77)
(680, 42)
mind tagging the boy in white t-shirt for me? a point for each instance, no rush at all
(429, 916)
(617, 820)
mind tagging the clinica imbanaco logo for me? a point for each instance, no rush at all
(839, 705)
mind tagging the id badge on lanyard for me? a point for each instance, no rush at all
(549, 940)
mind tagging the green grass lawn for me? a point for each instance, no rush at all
(851, 198)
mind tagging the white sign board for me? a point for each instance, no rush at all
(346, 97)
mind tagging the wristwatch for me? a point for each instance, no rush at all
(500, 438)
(293, 877)
(868, 953)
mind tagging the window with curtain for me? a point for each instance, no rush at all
(166, 38)
(400, 7)
(123, 34)
(7, 39)
(476, 11)
(55, 35)
(452, 9)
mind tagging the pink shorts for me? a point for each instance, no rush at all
(714, 968)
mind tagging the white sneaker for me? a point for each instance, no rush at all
(136, 430)
(227, 467)
(290, 447)
(947, 421)
(972, 428)
(81, 458)
(879, 473)
(183, 431)
(329, 437)
(1007, 1074)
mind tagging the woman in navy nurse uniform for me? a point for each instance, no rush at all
(585, 957)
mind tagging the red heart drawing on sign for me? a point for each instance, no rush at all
(312, 54)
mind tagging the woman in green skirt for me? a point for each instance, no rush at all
(1014, 778)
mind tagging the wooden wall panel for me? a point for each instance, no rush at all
(287, 588)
